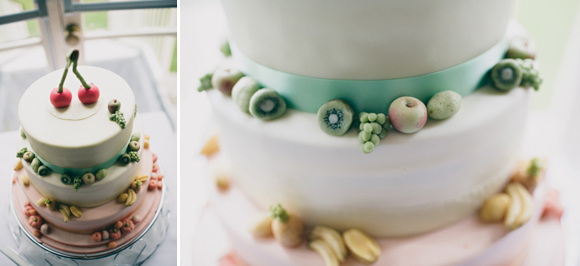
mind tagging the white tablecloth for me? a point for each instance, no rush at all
(163, 142)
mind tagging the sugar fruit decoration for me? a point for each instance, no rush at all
(21, 152)
(521, 47)
(510, 73)
(287, 228)
(373, 127)
(444, 105)
(408, 114)
(329, 244)
(335, 117)
(119, 118)
(206, 82)
(267, 104)
(87, 93)
(61, 97)
(224, 79)
(515, 207)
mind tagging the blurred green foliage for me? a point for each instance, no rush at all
(173, 67)
(95, 20)
(32, 24)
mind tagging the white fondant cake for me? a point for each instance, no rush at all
(380, 39)
(80, 135)
(88, 182)
(329, 78)
(411, 183)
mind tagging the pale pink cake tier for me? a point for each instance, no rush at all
(546, 247)
(82, 243)
(467, 242)
(74, 236)
(93, 218)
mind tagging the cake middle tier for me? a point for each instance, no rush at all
(409, 184)
(118, 178)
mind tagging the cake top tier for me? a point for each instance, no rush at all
(373, 39)
(80, 135)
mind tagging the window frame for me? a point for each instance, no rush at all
(39, 12)
(70, 7)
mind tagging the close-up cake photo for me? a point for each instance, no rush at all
(87, 136)
(381, 132)
(289, 132)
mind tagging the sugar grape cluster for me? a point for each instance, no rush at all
(531, 76)
(21, 152)
(119, 118)
(77, 183)
(134, 156)
(373, 127)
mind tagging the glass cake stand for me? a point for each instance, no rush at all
(133, 252)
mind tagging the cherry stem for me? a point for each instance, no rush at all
(75, 62)
(61, 84)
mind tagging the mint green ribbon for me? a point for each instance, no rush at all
(309, 94)
(81, 171)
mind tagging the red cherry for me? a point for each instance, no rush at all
(60, 99)
(89, 96)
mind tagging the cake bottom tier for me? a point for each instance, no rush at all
(75, 235)
(80, 243)
(466, 242)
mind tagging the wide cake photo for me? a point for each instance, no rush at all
(86, 184)
(88, 142)
(383, 133)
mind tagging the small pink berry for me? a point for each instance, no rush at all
(152, 184)
(96, 237)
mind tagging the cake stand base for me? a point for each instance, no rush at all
(134, 254)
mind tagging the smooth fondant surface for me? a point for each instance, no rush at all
(380, 39)
(410, 183)
(119, 177)
(76, 136)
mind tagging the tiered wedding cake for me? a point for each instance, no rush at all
(86, 181)
(366, 66)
